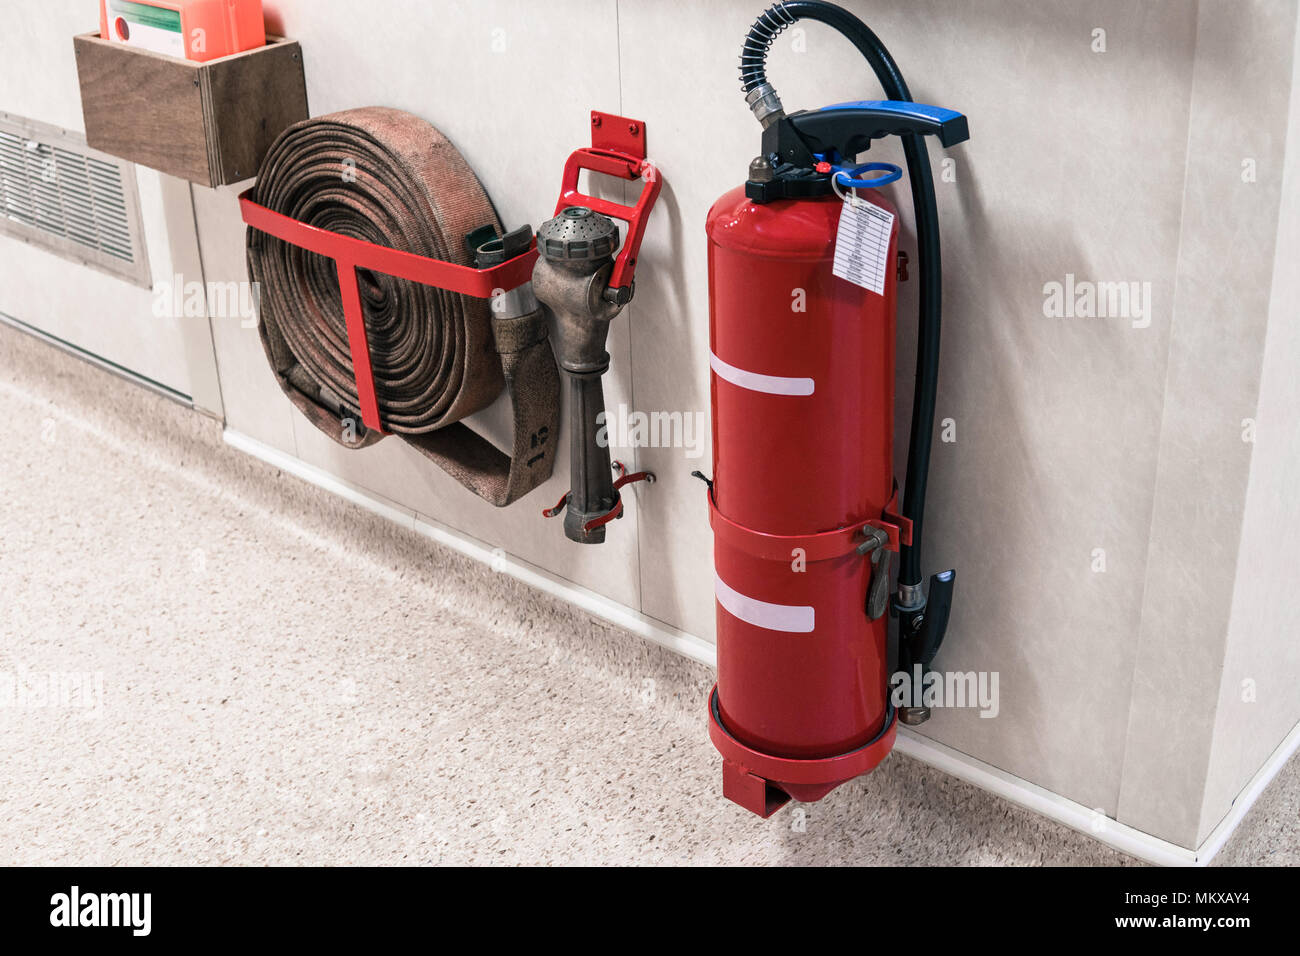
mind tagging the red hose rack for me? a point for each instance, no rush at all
(618, 149)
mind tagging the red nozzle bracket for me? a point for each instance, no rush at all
(617, 149)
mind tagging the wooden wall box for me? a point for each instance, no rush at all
(210, 123)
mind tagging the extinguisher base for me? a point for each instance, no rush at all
(763, 783)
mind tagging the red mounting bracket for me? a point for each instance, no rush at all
(894, 524)
(818, 546)
(617, 511)
(618, 148)
(351, 254)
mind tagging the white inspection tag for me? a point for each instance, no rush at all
(862, 244)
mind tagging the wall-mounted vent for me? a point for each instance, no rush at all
(61, 195)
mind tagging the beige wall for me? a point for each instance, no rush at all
(1118, 687)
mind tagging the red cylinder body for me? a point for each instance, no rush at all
(803, 424)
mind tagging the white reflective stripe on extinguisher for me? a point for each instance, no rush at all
(772, 617)
(756, 382)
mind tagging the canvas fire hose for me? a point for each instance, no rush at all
(394, 302)
(803, 500)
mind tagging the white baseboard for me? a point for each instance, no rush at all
(1111, 832)
(1021, 792)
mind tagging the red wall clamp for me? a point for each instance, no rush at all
(617, 149)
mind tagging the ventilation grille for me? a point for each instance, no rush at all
(58, 193)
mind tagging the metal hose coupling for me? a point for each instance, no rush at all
(571, 278)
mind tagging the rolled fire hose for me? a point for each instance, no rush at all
(390, 178)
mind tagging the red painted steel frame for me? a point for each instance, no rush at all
(617, 149)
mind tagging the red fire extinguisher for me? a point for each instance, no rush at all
(803, 271)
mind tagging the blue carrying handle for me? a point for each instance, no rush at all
(919, 111)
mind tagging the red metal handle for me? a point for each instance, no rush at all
(617, 149)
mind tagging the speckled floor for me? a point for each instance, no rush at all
(249, 671)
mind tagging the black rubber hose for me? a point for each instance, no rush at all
(753, 72)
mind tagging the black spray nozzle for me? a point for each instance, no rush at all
(923, 628)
